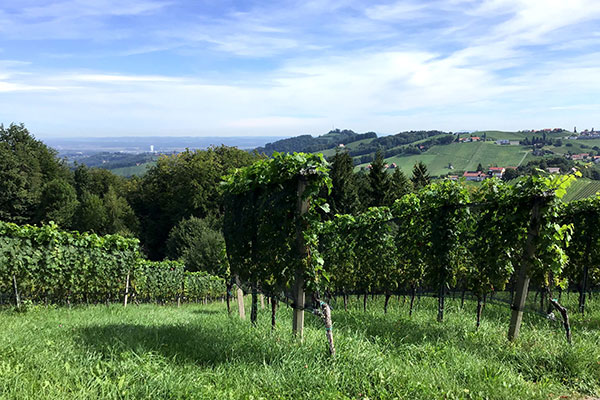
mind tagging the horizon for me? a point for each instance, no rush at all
(182, 68)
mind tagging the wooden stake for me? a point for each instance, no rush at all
(228, 294)
(126, 291)
(240, 300)
(254, 308)
(262, 301)
(441, 296)
(273, 311)
(299, 299)
(523, 278)
(302, 250)
(15, 288)
(180, 294)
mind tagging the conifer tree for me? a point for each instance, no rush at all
(378, 181)
(398, 187)
(420, 176)
(344, 194)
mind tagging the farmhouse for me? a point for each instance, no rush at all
(476, 176)
(553, 170)
(581, 156)
(496, 172)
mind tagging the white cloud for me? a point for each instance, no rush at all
(458, 64)
(401, 10)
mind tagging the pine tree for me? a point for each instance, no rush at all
(398, 187)
(378, 181)
(420, 176)
(344, 194)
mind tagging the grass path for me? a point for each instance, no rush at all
(198, 352)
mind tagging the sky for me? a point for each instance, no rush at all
(74, 68)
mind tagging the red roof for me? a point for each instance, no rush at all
(473, 174)
(496, 168)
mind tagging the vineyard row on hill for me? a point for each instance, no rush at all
(282, 241)
(45, 264)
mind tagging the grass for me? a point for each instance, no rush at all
(463, 157)
(198, 352)
(137, 170)
(581, 189)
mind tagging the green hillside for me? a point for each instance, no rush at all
(581, 189)
(463, 156)
(137, 170)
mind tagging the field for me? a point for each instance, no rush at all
(463, 156)
(581, 189)
(138, 170)
(198, 352)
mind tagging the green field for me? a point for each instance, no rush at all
(137, 170)
(463, 157)
(581, 189)
(198, 352)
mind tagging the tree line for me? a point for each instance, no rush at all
(176, 209)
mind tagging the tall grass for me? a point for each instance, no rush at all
(198, 352)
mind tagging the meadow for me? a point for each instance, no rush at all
(463, 157)
(199, 352)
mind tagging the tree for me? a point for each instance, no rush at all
(58, 203)
(399, 186)
(420, 177)
(479, 167)
(115, 213)
(200, 245)
(26, 165)
(180, 186)
(91, 214)
(510, 174)
(344, 194)
(378, 181)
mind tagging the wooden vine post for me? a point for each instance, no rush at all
(584, 279)
(126, 290)
(16, 290)
(299, 295)
(240, 299)
(523, 278)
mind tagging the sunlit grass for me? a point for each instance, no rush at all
(197, 351)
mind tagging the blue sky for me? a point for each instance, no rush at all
(234, 68)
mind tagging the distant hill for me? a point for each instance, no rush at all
(310, 144)
(113, 160)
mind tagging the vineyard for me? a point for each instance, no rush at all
(420, 296)
(281, 241)
(582, 189)
(47, 265)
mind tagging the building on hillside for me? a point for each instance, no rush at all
(476, 176)
(553, 170)
(503, 141)
(581, 156)
(496, 172)
(453, 177)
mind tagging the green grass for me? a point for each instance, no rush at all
(138, 170)
(198, 352)
(498, 135)
(464, 157)
(581, 189)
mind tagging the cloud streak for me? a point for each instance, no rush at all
(156, 67)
